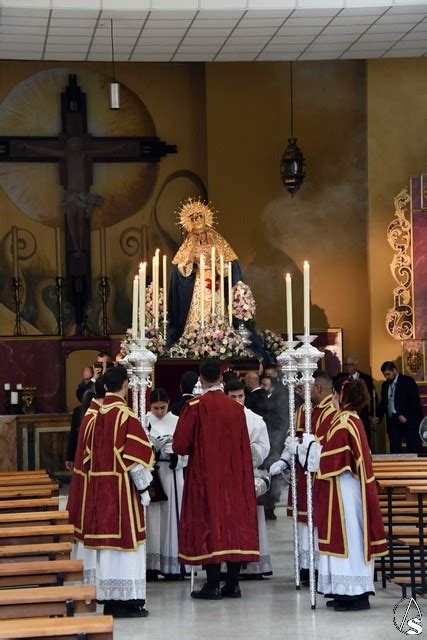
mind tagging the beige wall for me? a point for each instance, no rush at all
(248, 126)
(397, 115)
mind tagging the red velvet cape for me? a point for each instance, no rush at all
(321, 417)
(78, 485)
(345, 448)
(113, 514)
(218, 516)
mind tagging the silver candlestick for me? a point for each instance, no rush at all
(288, 364)
(308, 357)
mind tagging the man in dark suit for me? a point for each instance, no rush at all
(400, 403)
(351, 372)
(187, 384)
(256, 396)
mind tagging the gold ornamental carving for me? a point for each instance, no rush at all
(399, 320)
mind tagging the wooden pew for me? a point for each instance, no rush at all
(49, 601)
(29, 504)
(53, 572)
(32, 491)
(30, 518)
(34, 552)
(83, 627)
(33, 535)
(20, 481)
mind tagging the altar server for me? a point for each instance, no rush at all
(218, 519)
(164, 511)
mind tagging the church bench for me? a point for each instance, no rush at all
(32, 519)
(34, 552)
(33, 535)
(29, 504)
(49, 601)
(40, 572)
(24, 482)
(32, 491)
(80, 628)
(23, 474)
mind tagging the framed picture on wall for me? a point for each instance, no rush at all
(413, 359)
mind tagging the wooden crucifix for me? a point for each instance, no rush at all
(76, 150)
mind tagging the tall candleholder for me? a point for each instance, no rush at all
(104, 293)
(308, 357)
(17, 290)
(59, 290)
(165, 328)
(288, 364)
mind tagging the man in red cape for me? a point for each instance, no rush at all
(218, 517)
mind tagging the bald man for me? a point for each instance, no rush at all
(255, 396)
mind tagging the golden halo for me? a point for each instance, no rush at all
(189, 207)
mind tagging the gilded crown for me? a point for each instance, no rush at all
(191, 206)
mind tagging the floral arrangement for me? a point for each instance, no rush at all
(149, 308)
(272, 342)
(244, 306)
(218, 341)
(156, 342)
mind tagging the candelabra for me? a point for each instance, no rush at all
(289, 366)
(59, 289)
(17, 291)
(308, 357)
(139, 363)
(104, 293)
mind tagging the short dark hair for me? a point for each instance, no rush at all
(388, 365)
(100, 387)
(267, 377)
(188, 381)
(114, 378)
(159, 395)
(324, 376)
(210, 369)
(234, 385)
(102, 354)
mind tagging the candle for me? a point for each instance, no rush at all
(157, 286)
(230, 295)
(135, 307)
(289, 307)
(19, 386)
(221, 287)
(213, 260)
(14, 397)
(6, 386)
(202, 290)
(142, 280)
(103, 249)
(15, 257)
(306, 298)
(165, 289)
(58, 252)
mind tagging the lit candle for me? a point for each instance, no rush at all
(221, 286)
(289, 307)
(19, 386)
(6, 386)
(103, 251)
(15, 258)
(14, 397)
(306, 298)
(165, 289)
(135, 308)
(202, 290)
(213, 260)
(142, 280)
(157, 286)
(230, 296)
(58, 252)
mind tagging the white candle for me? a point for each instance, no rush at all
(230, 295)
(58, 252)
(14, 397)
(157, 285)
(289, 323)
(15, 258)
(103, 251)
(135, 307)
(19, 386)
(6, 386)
(165, 289)
(221, 286)
(306, 298)
(202, 290)
(142, 279)
(213, 270)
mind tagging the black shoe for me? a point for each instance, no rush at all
(207, 593)
(118, 610)
(251, 576)
(355, 605)
(231, 591)
(332, 603)
(272, 516)
(152, 575)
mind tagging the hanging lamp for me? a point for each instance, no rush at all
(292, 165)
(114, 89)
